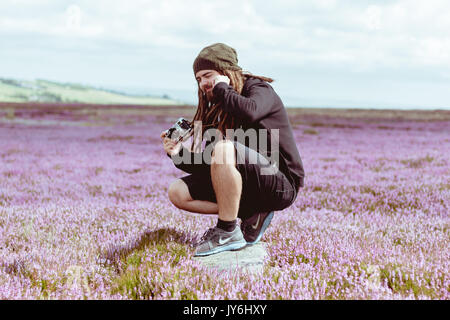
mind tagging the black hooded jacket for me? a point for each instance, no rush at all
(259, 107)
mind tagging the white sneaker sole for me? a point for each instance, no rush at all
(228, 247)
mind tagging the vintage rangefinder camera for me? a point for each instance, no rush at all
(180, 131)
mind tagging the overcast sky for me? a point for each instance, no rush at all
(321, 53)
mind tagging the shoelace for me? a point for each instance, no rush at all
(207, 233)
(204, 237)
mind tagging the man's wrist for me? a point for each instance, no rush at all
(220, 86)
(218, 91)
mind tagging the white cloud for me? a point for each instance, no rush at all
(325, 4)
(43, 19)
(373, 17)
(401, 36)
(322, 31)
(73, 17)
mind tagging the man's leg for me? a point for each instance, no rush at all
(226, 183)
(179, 195)
(226, 180)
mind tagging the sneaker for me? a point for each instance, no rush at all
(216, 240)
(253, 228)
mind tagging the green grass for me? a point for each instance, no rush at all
(417, 163)
(134, 277)
(401, 282)
(48, 91)
(310, 131)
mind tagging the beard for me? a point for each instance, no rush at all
(208, 93)
(209, 96)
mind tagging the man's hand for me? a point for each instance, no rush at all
(221, 78)
(170, 147)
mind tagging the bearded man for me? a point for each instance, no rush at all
(238, 181)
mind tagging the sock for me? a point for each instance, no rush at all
(228, 226)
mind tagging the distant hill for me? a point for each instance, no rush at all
(12, 90)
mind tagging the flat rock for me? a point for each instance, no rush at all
(250, 258)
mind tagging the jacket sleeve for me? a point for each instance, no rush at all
(255, 105)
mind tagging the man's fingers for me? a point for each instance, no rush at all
(168, 141)
(221, 78)
(163, 134)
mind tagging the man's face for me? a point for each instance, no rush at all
(205, 80)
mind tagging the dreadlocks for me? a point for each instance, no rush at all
(213, 115)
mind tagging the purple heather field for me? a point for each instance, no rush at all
(84, 212)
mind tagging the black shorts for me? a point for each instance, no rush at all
(260, 192)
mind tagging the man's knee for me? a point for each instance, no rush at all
(179, 193)
(224, 153)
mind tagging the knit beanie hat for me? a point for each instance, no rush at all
(217, 57)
